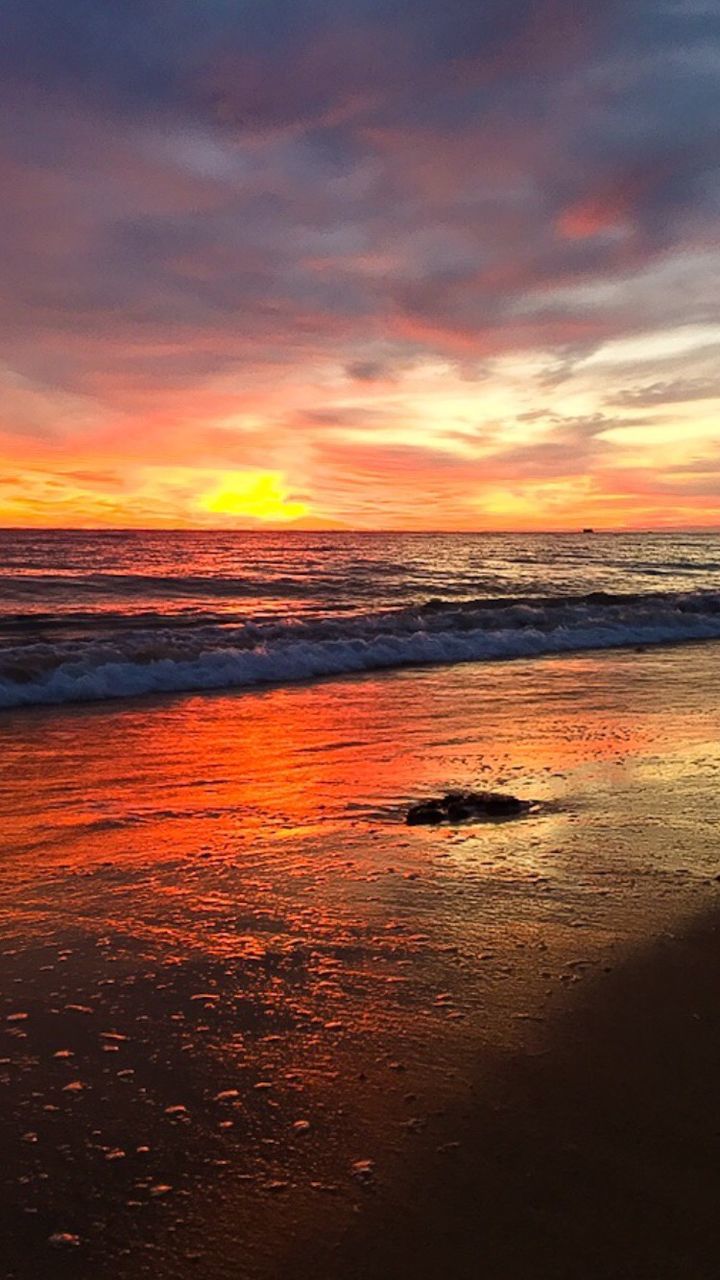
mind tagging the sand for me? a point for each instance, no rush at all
(252, 1025)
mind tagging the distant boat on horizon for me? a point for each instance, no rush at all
(588, 530)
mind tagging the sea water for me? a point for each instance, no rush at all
(87, 616)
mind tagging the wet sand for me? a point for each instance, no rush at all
(596, 1157)
(252, 1025)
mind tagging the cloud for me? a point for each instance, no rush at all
(232, 228)
(676, 391)
(367, 370)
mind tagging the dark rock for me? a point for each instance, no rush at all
(431, 811)
(457, 811)
(465, 806)
(501, 806)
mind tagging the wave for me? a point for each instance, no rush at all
(43, 584)
(134, 661)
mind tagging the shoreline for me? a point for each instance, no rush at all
(168, 697)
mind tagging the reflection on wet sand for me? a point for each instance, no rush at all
(242, 1002)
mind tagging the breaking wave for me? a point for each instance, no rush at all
(95, 663)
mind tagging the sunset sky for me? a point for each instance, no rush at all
(443, 264)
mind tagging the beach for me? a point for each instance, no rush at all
(254, 1025)
(359, 640)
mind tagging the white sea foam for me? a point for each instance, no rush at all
(95, 666)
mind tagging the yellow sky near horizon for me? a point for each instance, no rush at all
(434, 445)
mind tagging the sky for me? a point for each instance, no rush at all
(360, 263)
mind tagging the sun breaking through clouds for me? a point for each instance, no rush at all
(258, 497)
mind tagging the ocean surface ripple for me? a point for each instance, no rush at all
(86, 617)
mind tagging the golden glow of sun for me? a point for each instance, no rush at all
(257, 495)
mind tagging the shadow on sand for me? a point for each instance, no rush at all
(599, 1159)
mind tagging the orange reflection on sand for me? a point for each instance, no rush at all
(197, 775)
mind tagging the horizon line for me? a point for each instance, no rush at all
(573, 532)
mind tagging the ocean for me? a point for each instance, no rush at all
(88, 616)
